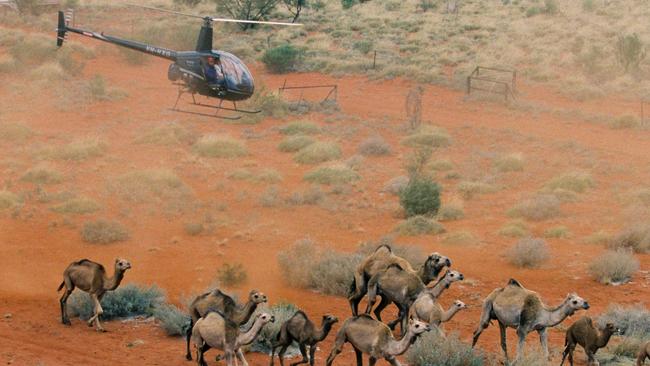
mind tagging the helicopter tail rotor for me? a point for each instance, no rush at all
(61, 30)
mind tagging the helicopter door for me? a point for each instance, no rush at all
(237, 77)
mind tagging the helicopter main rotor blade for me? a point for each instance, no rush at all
(166, 11)
(226, 20)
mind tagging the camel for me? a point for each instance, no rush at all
(90, 277)
(427, 309)
(379, 260)
(216, 300)
(303, 331)
(644, 353)
(211, 332)
(374, 338)
(584, 333)
(402, 288)
(516, 307)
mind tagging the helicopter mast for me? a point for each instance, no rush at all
(204, 42)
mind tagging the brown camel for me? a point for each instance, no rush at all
(301, 330)
(211, 332)
(374, 338)
(644, 353)
(216, 300)
(383, 257)
(427, 309)
(584, 333)
(90, 277)
(516, 307)
(402, 288)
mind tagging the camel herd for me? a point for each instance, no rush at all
(216, 318)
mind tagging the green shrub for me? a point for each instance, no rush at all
(78, 205)
(219, 146)
(125, 302)
(420, 197)
(574, 181)
(347, 4)
(636, 238)
(173, 321)
(630, 51)
(42, 174)
(231, 275)
(282, 312)
(15, 132)
(432, 349)
(103, 232)
(528, 253)
(374, 146)
(614, 267)
(334, 174)
(300, 128)
(8, 200)
(419, 225)
(514, 229)
(557, 232)
(318, 152)
(283, 58)
(295, 143)
(537, 208)
(364, 46)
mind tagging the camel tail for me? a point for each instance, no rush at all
(60, 286)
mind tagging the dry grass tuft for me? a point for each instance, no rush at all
(374, 146)
(300, 128)
(232, 275)
(318, 152)
(469, 189)
(514, 229)
(537, 208)
(636, 238)
(333, 174)
(614, 267)
(104, 232)
(153, 186)
(75, 151)
(452, 210)
(574, 181)
(396, 185)
(8, 200)
(171, 133)
(599, 237)
(419, 225)
(557, 232)
(42, 174)
(220, 146)
(15, 132)
(528, 253)
(429, 137)
(510, 163)
(295, 143)
(78, 206)
(440, 165)
(462, 237)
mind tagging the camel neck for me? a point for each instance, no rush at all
(555, 316)
(397, 347)
(112, 283)
(321, 333)
(248, 337)
(439, 288)
(425, 275)
(243, 314)
(447, 315)
(604, 337)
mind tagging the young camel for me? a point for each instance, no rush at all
(90, 277)
(303, 331)
(216, 300)
(427, 309)
(644, 353)
(584, 333)
(402, 288)
(379, 260)
(374, 338)
(211, 332)
(516, 307)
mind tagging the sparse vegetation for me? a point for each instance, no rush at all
(282, 312)
(599, 237)
(8, 200)
(440, 165)
(510, 163)
(283, 58)
(427, 136)
(194, 228)
(103, 232)
(334, 174)
(432, 349)
(311, 196)
(42, 174)
(514, 229)
(574, 181)
(421, 196)
(557, 232)
(614, 267)
(528, 253)
(77, 205)
(469, 189)
(220, 146)
(630, 51)
(636, 238)
(168, 134)
(300, 128)
(76, 151)
(15, 132)
(172, 320)
(419, 225)
(396, 185)
(452, 210)
(633, 321)
(627, 121)
(318, 152)
(462, 237)
(374, 146)
(295, 143)
(127, 301)
(232, 275)
(537, 208)
(150, 186)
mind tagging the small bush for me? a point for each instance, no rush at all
(15, 132)
(283, 58)
(452, 210)
(396, 185)
(599, 237)
(440, 165)
(630, 51)
(270, 197)
(537, 208)
(636, 238)
(335, 174)
(469, 189)
(282, 312)
(364, 46)
(514, 229)
(42, 174)
(173, 321)
(420, 197)
(296, 262)
(151, 185)
(627, 121)
(633, 321)
(8, 200)
(629, 347)
(428, 136)
(432, 349)
(374, 146)
(231, 275)
(419, 225)
(332, 274)
(462, 237)
(48, 72)
(557, 232)
(78, 205)
(103, 232)
(510, 163)
(575, 181)
(125, 302)
(295, 143)
(166, 135)
(75, 151)
(318, 152)
(311, 196)
(193, 228)
(219, 146)
(528, 253)
(300, 128)
(347, 4)
(614, 267)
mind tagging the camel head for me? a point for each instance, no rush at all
(459, 305)
(436, 262)
(257, 297)
(121, 264)
(418, 327)
(329, 319)
(452, 276)
(610, 327)
(266, 318)
(576, 302)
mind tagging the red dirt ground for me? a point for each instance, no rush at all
(37, 246)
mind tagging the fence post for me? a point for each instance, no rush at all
(374, 60)
(469, 85)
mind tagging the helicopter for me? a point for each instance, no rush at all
(204, 71)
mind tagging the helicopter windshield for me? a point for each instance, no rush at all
(238, 78)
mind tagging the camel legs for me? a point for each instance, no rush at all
(372, 361)
(568, 351)
(640, 360)
(200, 351)
(64, 298)
(504, 345)
(303, 352)
(359, 289)
(98, 312)
(521, 334)
(483, 323)
(188, 336)
(372, 297)
(240, 357)
(543, 340)
(382, 305)
(337, 348)
(281, 354)
(393, 361)
(312, 353)
(359, 356)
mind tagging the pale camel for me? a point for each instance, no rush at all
(90, 277)
(211, 332)
(644, 353)
(584, 333)
(427, 309)
(301, 330)
(370, 336)
(402, 288)
(383, 257)
(516, 307)
(216, 300)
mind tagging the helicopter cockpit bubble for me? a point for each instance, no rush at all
(239, 79)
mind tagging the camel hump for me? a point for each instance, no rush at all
(395, 265)
(365, 316)
(384, 247)
(513, 282)
(300, 313)
(89, 263)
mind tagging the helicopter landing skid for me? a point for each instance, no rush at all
(181, 91)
